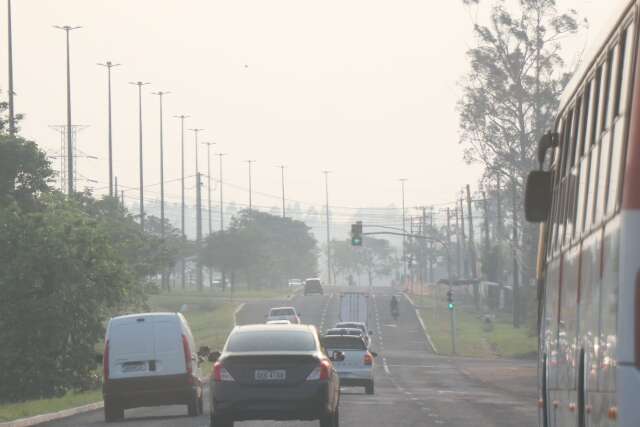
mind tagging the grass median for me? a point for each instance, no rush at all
(472, 340)
(210, 319)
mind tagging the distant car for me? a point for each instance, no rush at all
(313, 286)
(278, 322)
(284, 313)
(274, 373)
(345, 331)
(150, 359)
(358, 325)
(356, 369)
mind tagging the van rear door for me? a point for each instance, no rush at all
(131, 347)
(169, 356)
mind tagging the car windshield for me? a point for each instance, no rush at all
(343, 343)
(282, 312)
(351, 325)
(266, 341)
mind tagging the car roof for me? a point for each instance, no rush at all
(145, 315)
(343, 330)
(349, 323)
(282, 308)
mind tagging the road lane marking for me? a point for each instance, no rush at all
(235, 313)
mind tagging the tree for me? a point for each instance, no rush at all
(62, 276)
(264, 250)
(509, 100)
(375, 258)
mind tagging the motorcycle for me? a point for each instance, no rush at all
(395, 313)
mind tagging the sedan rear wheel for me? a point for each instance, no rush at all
(369, 388)
(112, 412)
(330, 420)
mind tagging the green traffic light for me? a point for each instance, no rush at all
(450, 306)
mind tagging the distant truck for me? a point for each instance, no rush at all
(354, 307)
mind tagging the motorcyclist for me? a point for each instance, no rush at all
(394, 304)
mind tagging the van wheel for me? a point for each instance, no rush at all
(330, 420)
(369, 388)
(112, 412)
(201, 405)
(218, 421)
(192, 407)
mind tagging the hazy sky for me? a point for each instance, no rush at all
(364, 88)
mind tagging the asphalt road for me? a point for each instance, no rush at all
(414, 387)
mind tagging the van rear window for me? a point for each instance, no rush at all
(282, 312)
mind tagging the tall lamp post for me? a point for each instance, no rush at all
(282, 167)
(12, 118)
(182, 117)
(161, 94)
(404, 234)
(70, 172)
(198, 214)
(109, 65)
(250, 162)
(139, 84)
(326, 187)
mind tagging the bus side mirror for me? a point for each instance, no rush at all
(537, 197)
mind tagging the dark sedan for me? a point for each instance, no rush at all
(274, 372)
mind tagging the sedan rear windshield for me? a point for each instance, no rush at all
(343, 343)
(257, 341)
(282, 312)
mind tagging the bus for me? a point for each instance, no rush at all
(588, 207)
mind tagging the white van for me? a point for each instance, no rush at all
(150, 360)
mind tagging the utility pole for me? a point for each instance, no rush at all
(487, 237)
(249, 162)
(458, 257)
(122, 197)
(326, 187)
(209, 144)
(472, 251)
(70, 171)
(282, 175)
(404, 232)
(514, 250)
(198, 214)
(115, 187)
(109, 65)
(463, 245)
(140, 84)
(183, 276)
(452, 315)
(498, 237)
(165, 282)
(12, 117)
(423, 246)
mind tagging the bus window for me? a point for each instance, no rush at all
(590, 307)
(592, 190)
(550, 331)
(603, 171)
(595, 129)
(585, 162)
(624, 70)
(566, 144)
(584, 120)
(568, 322)
(609, 305)
(606, 93)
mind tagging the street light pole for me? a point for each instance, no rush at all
(249, 162)
(404, 231)
(326, 187)
(109, 65)
(161, 94)
(70, 171)
(198, 214)
(282, 174)
(220, 155)
(12, 118)
(209, 144)
(184, 236)
(140, 84)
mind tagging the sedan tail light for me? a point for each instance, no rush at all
(220, 373)
(368, 359)
(320, 372)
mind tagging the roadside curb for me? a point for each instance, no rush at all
(52, 416)
(422, 324)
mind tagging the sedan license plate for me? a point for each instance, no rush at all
(270, 375)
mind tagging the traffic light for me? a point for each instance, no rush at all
(450, 299)
(356, 234)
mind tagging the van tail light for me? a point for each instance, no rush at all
(105, 362)
(187, 354)
(637, 320)
(368, 359)
(220, 373)
(320, 372)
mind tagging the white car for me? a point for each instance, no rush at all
(357, 367)
(284, 313)
(278, 322)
